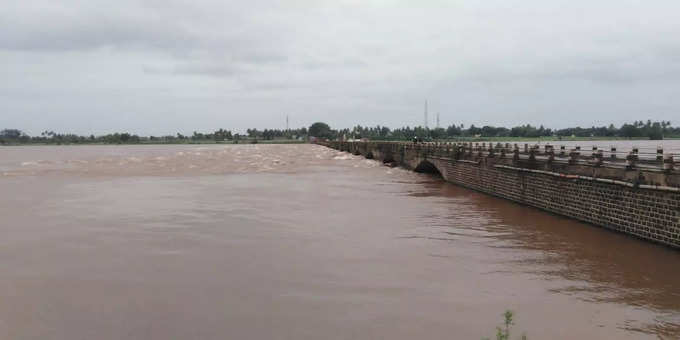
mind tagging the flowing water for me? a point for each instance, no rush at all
(301, 242)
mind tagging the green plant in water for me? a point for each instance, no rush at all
(503, 333)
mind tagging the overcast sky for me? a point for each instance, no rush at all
(162, 66)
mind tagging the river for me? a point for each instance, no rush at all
(301, 242)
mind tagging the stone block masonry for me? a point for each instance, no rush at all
(642, 200)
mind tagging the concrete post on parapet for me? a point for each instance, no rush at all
(491, 151)
(668, 162)
(515, 154)
(612, 153)
(574, 155)
(532, 153)
(550, 151)
(563, 150)
(632, 158)
(659, 155)
(596, 157)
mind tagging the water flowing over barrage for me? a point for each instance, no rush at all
(154, 160)
(300, 242)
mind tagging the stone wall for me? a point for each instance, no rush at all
(610, 197)
(646, 213)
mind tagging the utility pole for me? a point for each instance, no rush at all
(437, 120)
(426, 114)
(287, 128)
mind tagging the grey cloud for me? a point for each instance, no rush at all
(134, 26)
(71, 28)
(211, 70)
(347, 62)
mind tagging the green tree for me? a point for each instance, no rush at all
(320, 130)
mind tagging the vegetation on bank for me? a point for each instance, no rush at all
(635, 130)
(503, 333)
(221, 136)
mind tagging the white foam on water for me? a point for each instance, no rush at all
(370, 163)
(29, 163)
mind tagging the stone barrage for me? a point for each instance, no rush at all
(633, 195)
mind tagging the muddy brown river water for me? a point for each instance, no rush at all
(301, 242)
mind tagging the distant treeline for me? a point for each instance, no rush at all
(638, 129)
(15, 136)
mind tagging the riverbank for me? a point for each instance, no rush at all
(547, 139)
(538, 139)
(189, 142)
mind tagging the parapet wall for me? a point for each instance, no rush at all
(637, 199)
